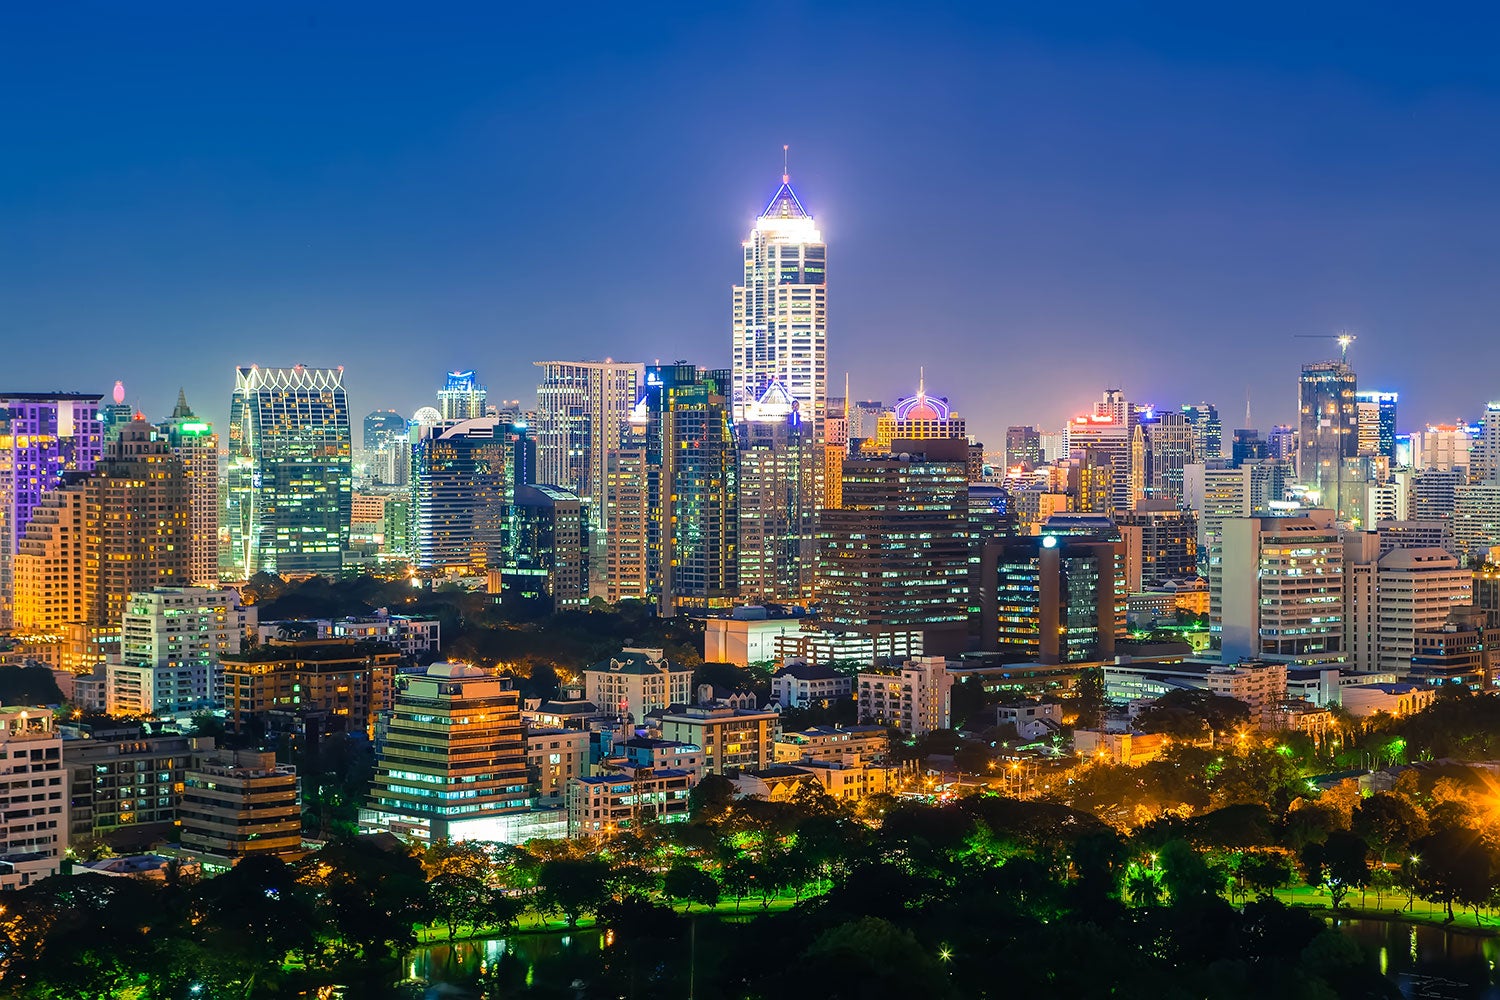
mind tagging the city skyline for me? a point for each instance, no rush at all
(1130, 194)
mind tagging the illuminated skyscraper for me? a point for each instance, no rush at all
(43, 436)
(464, 479)
(778, 497)
(385, 449)
(196, 445)
(1208, 431)
(290, 476)
(698, 495)
(915, 418)
(781, 310)
(1328, 428)
(1170, 440)
(1377, 422)
(627, 499)
(462, 398)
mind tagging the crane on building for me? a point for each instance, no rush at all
(1344, 339)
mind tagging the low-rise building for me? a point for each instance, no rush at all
(34, 810)
(555, 757)
(742, 638)
(1362, 700)
(1260, 685)
(603, 805)
(657, 755)
(917, 699)
(801, 685)
(1118, 748)
(409, 635)
(238, 804)
(126, 777)
(1463, 650)
(732, 738)
(832, 743)
(347, 678)
(635, 681)
(851, 779)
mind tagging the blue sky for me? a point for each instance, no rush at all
(1032, 200)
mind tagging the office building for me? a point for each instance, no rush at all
(1442, 446)
(462, 397)
(453, 764)
(239, 804)
(386, 449)
(171, 640)
(918, 417)
(290, 472)
(1208, 431)
(833, 451)
(633, 682)
(1328, 429)
(43, 437)
(1391, 596)
(627, 495)
(116, 414)
(1280, 588)
(582, 412)
(347, 679)
(1110, 437)
(781, 311)
(778, 470)
(554, 758)
(1247, 445)
(695, 504)
(1054, 597)
(34, 810)
(916, 699)
(1377, 422)
(1476, 517)
(548, 550)
(1172, 441)
(196, 446)
(895, 556)
(463, 483)
(1485, 453)
(732, 738)
(98, 538)
(1258, 684)
(1398, 534)
(1023, 448)
(627, 799)
(1434, 493)
(1161, 544)
(1465, 649)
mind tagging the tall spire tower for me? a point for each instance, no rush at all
(781, 309)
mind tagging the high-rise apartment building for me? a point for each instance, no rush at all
(628, 498)
(582, 412)
(1281, 588)
(895, 556)
(1055, 598)
(781, 311)
(453, 764)
(778, 498)
(1390, 597)
(1161, 544)
(1484, 466)
(34, 810)
(196, 446)
(1328, 429)
(463, 483)
(290, 472)
(462, 397)
(1170, 439)
(43, 437)
(98, 538)
(171, 641)
(347, 679)
(1476, 517)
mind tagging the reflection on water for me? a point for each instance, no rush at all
(509, 964)
(1432, 963)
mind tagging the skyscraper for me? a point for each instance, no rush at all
(781, 310)
(778, 498)
(464, 479)
(385, 449)
(290, 475)
(461, 397)
(1208, 431)
(895, 556)
(1023, 447)
(119, 529)
(627, 499)
(43, 436)
(1376, 422)
(698, 495)
(547, 549)
(1328, 429)
(1484, 462)
(918, 417)
(1171, 441)
(583, 408)
(196, 446)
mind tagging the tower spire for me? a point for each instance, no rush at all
(786, 174)
(922, 380)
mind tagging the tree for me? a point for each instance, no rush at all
(1453, 865)
(458, 884)
(869, 957)
(710, 798)
(1191, 714)
(1339, 864)
(573, 888)
(690, 884)
(1186, 874)
(370, 894)
(1389, 823)
(1263, 872)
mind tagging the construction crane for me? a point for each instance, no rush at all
(1344, 339)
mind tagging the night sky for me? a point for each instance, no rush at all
(1032, 203)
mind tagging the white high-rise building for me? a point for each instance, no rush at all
(1484, 455)
(781, 310)
(171, 640)
(34, 810)
(582, 411)
(1281, 586)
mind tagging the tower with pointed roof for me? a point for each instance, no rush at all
(194, 442)
(781, 310)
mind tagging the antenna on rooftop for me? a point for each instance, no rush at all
(786, 174)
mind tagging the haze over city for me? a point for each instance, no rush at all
(1032, 204)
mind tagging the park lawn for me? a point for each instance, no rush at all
(532, 922)
(1392, 907)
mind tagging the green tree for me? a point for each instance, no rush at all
(1186, 874)
(459, 880)
(573, 888)
(1453, 865)
(1339, 864)
(1389, 824)
(691, 884)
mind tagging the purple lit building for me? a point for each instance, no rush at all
(43, 436)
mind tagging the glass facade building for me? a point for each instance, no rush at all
(290, 472)
(463, 483)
